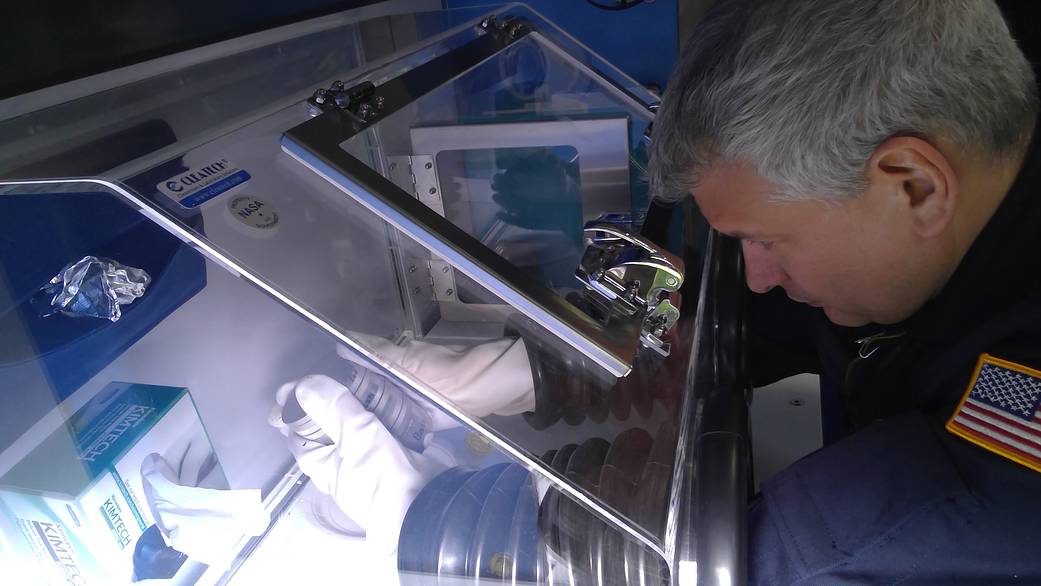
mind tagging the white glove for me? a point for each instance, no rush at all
(492, 377)
(369, 475)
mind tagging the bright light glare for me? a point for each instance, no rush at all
(688, 573)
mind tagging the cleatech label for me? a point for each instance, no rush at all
(201, 184)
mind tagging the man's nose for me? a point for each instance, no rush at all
(762, 271)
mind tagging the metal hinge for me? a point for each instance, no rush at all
(360, 101)
(633, 278)
(505, 30)
(417, 175)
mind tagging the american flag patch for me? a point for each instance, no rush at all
(1000, 411)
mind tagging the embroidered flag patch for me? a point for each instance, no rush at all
(1000, 411)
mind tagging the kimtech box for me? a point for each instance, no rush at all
(73, 510)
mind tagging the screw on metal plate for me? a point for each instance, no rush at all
(795, 402)
(417, 290)
(411, 268)
(501, 565)
(517, 30)
(428, 166)
(506, 30)
(443, 280)
(433, 190)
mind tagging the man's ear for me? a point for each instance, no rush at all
(920, 177)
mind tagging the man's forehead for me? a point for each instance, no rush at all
(738, 202)
(731, 193)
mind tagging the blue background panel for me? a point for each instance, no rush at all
(642, 40)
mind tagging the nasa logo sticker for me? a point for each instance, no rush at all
(253, 212)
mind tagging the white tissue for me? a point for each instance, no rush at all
(203, 523)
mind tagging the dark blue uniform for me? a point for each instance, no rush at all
(894, 498)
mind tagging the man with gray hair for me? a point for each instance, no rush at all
(879, 162)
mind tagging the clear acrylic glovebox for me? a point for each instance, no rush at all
(407, 270)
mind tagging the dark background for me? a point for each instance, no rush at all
(50, 42)
(1024, 18)
(46, 43)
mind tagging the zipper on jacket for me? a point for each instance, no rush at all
(866, 348)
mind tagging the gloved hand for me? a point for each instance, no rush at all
(539, 192)
(489, 378)
(568, 387)
(366, 471)
(536, 181)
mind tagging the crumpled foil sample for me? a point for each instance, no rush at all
(94, 287)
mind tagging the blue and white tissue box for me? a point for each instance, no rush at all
(73, 509)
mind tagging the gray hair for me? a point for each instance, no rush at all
(807, 90)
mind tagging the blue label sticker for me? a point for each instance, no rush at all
(201, 184)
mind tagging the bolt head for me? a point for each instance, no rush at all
(501, 565)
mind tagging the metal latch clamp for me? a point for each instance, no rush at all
(634, 277)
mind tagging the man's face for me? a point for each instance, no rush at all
(857, 258)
